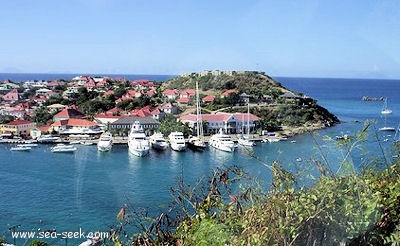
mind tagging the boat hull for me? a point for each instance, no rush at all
(178, 147)
(141, 152)
(104, 148)
(196, 147)
(158, 146)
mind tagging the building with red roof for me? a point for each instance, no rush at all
(169, 108)
(20, 128)
(171, 94)
(188, 93)
(227, 92)
(208, 99)
(12, 96)
(143, 84)
(68, 113)
(183, 100)
(75, 126)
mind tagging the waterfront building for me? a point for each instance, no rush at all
(123, 125)
(20, 128)
(75, 126)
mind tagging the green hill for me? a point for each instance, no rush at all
(278, 107)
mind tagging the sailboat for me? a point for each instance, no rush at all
(197, 142)
(385, 112)
(245, 140)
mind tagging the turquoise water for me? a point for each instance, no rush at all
(45, 190)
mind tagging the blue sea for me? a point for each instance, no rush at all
(41, 190)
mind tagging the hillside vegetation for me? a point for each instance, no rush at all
(265, 94)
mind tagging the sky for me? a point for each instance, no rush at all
(294, 38)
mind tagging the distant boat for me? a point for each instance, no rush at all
(387, 129)
(105, 142)
(20, 148)
(177, 141)
(385, 110)
(86, 143)
(63, 148)
(27, 145)
(47, 139)
(197, 142)
(137, 141)
(158, 142)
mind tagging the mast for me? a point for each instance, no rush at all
(199, 120)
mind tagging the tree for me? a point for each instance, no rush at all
(42, 116)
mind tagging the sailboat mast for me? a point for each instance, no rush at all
(198, 114)
(248, 119)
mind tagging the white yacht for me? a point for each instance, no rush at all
(20, 148)
(245, 141)
(105, 142)
(47, 139)
(222, 142)
(63, 148)
(27, 145)
(177, 141)
(158, 141)
(137, 141)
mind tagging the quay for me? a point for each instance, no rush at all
(124, 140)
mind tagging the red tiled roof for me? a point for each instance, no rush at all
(69, 113)
(74, 122)
(183, 100)
(189, 92)
(227, 92)
(168, 92)
(208, 99)
(156, 111)
(151, 92)
(19, 122)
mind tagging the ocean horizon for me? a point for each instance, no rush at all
(22, 77)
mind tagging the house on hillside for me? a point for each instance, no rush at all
(208, 99)
(56, 107)
(227, 92)
(188, 93)
(171, 94)
(68, 113)
(7, 85)
(12, 96)
(169, 108)
(289, 95)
